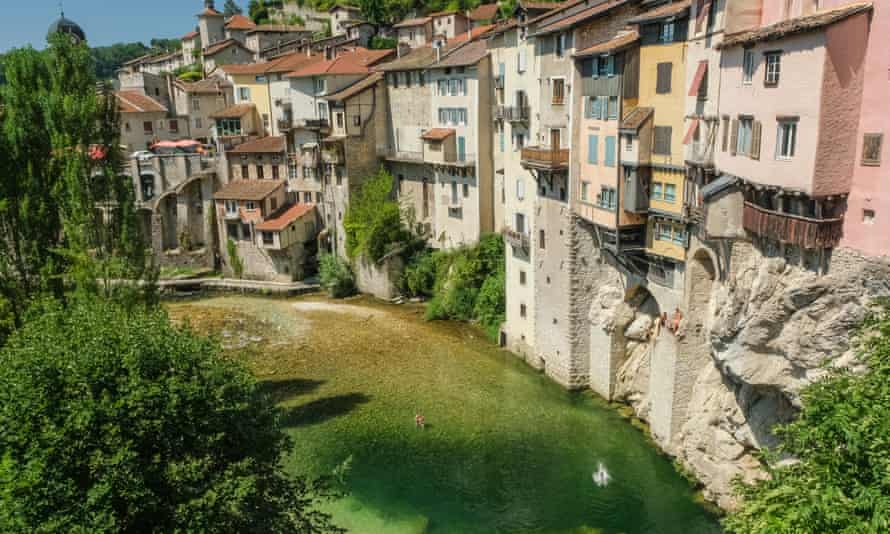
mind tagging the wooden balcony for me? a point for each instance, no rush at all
(791, 229)
(545, 158)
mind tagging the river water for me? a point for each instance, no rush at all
(503, 450)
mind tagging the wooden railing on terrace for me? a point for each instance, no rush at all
(545, 157)
(793, 229)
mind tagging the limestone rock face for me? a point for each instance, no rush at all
(774, 326)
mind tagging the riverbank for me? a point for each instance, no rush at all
(504, 447)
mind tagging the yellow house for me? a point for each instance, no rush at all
(252, 86)
(662, 89)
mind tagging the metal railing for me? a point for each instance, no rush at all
(516, 239)
(516, 113)
(401, 155)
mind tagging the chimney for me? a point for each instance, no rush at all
(208, 4)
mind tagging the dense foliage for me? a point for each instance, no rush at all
(66, 213)
(335, 276)
(231, 8)
(467, 284)
(383, 43)
(373, 221)
(115, 421)
(839, 480)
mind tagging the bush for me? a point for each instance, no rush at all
(373, 222)
(383, 43)
(336, 276)
(491, 304)
(234, 260)
(115, 421)
(419, 276)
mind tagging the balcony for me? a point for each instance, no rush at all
(792, 229)
(517, 240)
(545, 158)
(392, 154)
(285, 125)
(312, 124)
(516, 113)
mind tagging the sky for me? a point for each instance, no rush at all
(104, 21)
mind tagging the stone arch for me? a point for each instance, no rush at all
(166, 210)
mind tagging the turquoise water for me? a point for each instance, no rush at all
(504, 450)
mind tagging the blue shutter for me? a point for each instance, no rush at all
(502, 69)
(610, 66)
(502, 140)
(596, 107)
(592, 149)
(610, 151)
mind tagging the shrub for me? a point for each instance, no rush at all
(419, 276)
(234, 260)
(383, 43)
(115, 421)
(336, 276)
(491, 304)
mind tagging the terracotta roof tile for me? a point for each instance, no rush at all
(206, 86)
(359, 61)
(248, 189)
(579, 17)
(136, 102)
(635, 118)
(793, 26)
(408, 23)
(469, 54)
(356, 88)
(540, 6)
(437, 134)
(233, 112)
(668, 10)
(284, 217)
(263, 145)
(616, 43)
(484, 12)
(240, 22)
(190, 35)
(215, 48)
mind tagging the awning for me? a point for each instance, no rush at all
(717, 186)
(699, 76)
(704, 11)
(691, 131)
(186, 143)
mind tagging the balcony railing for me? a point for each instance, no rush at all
(517, 239)
(786, 228)
(516, 113)
(399, 155)
(545, 158)
(312, 124)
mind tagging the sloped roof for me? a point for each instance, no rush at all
(437, 134)
(206, 86)
(277, 28)
(668, 10)
(579, 17)
(613, 45)
(786, 28)
(190, 35)
(358, 61)
(233, 112)
(284, 63)
(136, 102)
(263, 145)
(469, 54)
(248, 189)
(540, 6)
(356, 88)
(408, 23)
(210, 12)
(424, 56)
(240, 22)
(284, 217)
(216, 48)
(636, 117)
(484, 12)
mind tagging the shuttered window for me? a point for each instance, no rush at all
(725, 133)
(756, 135)
(734, 132)
(662, 140)
(871, 149)
(610, 151)
(592, 149)
(663, 83)
(613, 107)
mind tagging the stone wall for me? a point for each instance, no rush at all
(381, 278)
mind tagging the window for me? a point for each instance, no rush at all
(523, 310)
(585, 191)
(442, 87)
(126, 126)
(542, 239)
(318, 197)
(663, 81)
(339, 120)
(608, 198)
(199, 123)
(307, 197)
(670, 193)
(268, 238)
(743, 143)
(260, 172)
(561, 45)
(662, 140)
(559, 91)
(613, 108)
(786, 138)
(868, 216)
(663, 232)
(174, 125)
(522, 278)
(232, 230)
(679, 236)
(520, 223)
(592, 149)
(245, 172)
(748, 66)
(148, 127)
(773, 68)
(250, 205)
(666, 32)
(610, 151)
(603, 66)
(320, 86)
(871, 149)
(196, 104)
(356, 120)
(466, 190)
(243, 93)
(231, 207)
(657, 188)
(502, 139)
(520, 60)
(520, 189)
(276, 173)
(454, 196)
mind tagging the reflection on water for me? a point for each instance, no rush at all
(502, 448)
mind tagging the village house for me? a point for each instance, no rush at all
(449, 24)
(259, 159)
(191, 47)
(360, 33)
(227, 52)
(237, 28)
(342, 16)
(144, 121)
(196, 102)
(211, 25)
(414, 33)
(269, 36)
(236, 124)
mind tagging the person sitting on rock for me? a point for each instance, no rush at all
(675, 320)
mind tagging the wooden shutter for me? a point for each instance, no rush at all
(663, 140)
(663, 83)
(871, 149)
(734, 137)
(756, 131)
(592, 149)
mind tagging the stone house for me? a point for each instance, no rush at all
(237, 27)
(144, 121)
(269, 36)
(197, 102)
(191, 47)
(361, 33)
(449, 24)
(414, 32)
(234, 125)
(258, 159)
(484, 15)
(226, 52)
(211, 25)
(342, 16)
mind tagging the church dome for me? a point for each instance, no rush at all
(63, 25)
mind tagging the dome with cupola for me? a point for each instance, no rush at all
(66, 26)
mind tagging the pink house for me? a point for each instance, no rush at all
(791, 93)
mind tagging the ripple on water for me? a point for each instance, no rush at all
(505, 450)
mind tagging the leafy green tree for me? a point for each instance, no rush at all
(375, 11)
(838, 476)
(335, 275)
(108, 59)
(258, 10)
(232, 8)
(373, 222)
(115, 421)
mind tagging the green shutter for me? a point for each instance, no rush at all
(610, 151)
(592, 149)
(597, 105)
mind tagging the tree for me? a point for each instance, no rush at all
(116, 421)
(373, 222)
(232, 8)
(836, 473)
(375, 11)
(258, 11)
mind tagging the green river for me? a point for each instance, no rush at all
(504, 449)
